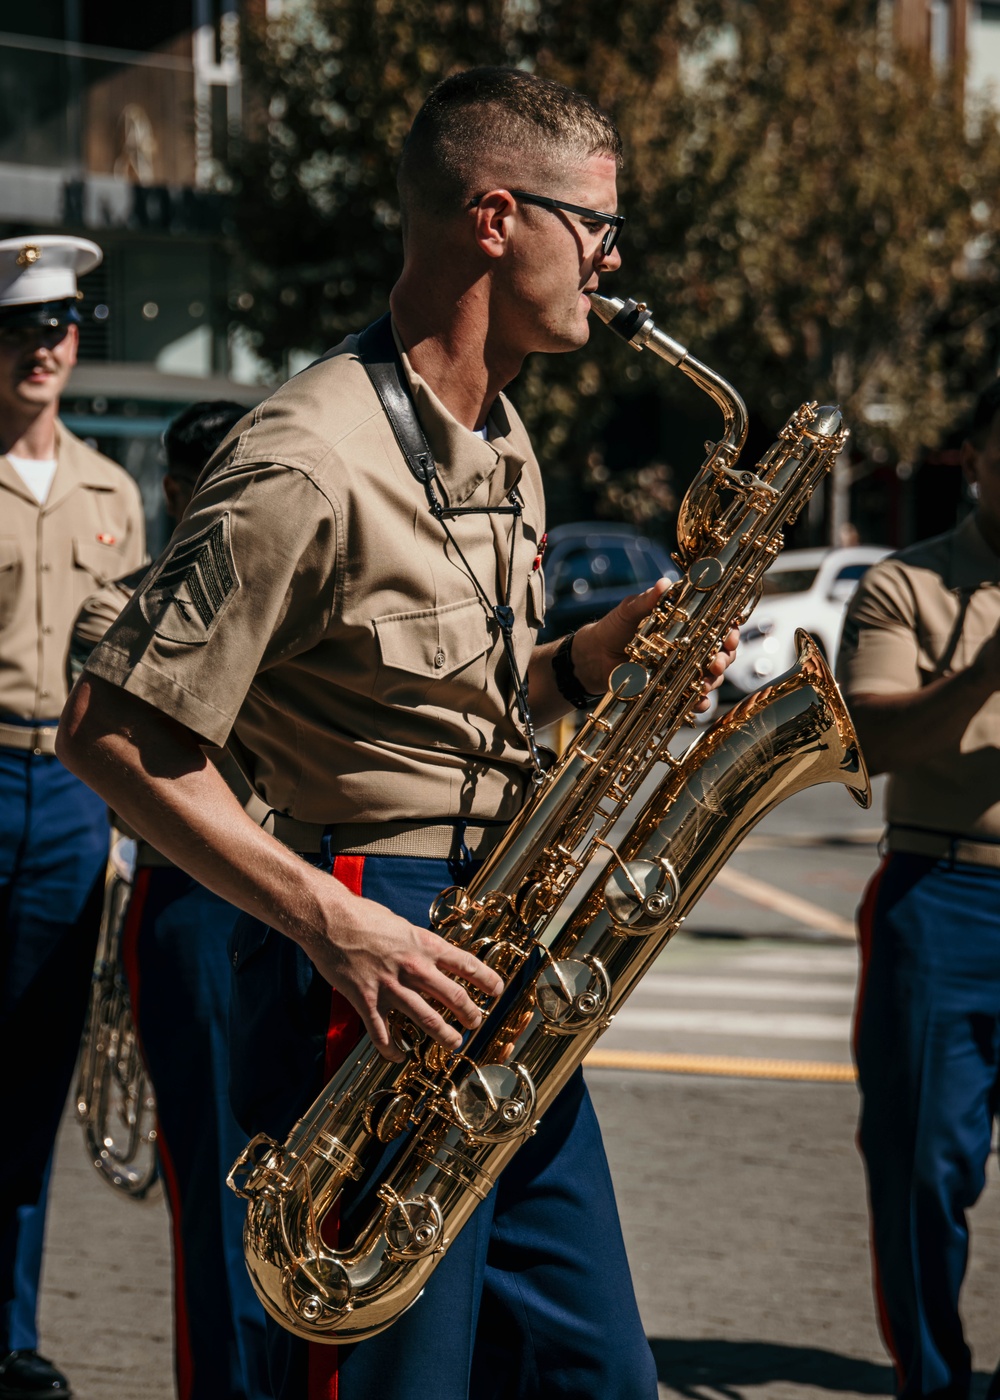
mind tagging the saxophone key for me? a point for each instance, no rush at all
(451, 908)
(388, 1114)
(628, 680)
(572, 994)
(414, 1227)
(705, 573)
(493, 1103)
(318, 1291)
(640, 895)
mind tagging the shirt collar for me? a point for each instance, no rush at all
(973, 563)
(74, 468)
(464, 461)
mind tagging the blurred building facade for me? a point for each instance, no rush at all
(116, 120)
(116, 123)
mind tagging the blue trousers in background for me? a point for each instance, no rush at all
(53, 852)
(175, 950)
(534, 1299)
(927, 1040)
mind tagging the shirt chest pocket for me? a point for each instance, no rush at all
(10, 578)
(432, 657)
(98, 561)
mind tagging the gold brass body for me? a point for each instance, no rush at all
(590, 882)
(114, 1100)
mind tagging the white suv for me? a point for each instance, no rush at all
(807, 588)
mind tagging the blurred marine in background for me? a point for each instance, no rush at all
(69, 521)
(920, 666)
(175, 953)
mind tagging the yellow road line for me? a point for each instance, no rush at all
(730, 1066)
(782, 902)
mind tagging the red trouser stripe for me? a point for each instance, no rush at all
(343, 1033)
(866, 933)
(183, 1360)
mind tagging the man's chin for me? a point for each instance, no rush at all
(38, 395)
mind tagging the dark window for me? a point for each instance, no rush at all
(583, 568)
(780, 581)
(852, 571)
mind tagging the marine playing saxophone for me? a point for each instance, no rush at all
(589, 883)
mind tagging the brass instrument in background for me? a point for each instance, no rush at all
(114, 1099)
(591, 880)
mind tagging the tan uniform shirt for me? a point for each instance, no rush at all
(99, 611)
(916, 616)
(52, 556)
(310, 604)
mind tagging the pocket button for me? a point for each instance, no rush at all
(439, 658)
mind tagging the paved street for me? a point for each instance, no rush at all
(742, 1198)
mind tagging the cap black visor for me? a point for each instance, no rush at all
(46, 315)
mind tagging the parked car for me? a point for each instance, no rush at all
(808, 588)
(590, 567)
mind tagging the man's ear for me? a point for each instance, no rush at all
(492, 215)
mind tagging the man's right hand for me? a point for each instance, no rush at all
(154, 773)
(381, 963)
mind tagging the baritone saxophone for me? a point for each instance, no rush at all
(589, 883)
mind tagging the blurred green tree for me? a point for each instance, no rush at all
(811, 209)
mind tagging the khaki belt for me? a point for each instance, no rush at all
(965, 850)
(30, 740)
(443, 841)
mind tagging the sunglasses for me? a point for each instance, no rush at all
(614, 222)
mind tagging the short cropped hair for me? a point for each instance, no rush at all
(485, 125)
(192, 437)
(984, 411)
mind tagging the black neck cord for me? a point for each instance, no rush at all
(377, 352)
(502, 613)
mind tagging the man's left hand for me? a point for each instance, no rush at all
(600, 646)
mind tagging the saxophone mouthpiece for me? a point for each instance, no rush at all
(607, 308)
(633, 321)
(625, 318)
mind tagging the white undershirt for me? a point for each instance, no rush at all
(36, 473)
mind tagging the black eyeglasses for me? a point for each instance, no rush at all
(613, 221)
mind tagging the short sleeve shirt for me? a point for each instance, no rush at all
(919, 615)
(92, 622)
(311, 611)
(89, 529)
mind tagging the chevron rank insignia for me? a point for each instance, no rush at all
(193, 586)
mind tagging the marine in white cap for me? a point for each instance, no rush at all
(69, 520)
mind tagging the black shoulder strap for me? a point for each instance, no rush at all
(377, 352)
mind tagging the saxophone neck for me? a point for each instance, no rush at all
(634, 322)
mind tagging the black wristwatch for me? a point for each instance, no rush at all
(566, 680)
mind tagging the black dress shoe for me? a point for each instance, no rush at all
(24, 1375)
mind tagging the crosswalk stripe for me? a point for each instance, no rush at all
(749, 988)
(772, 1025)
(729, 1066)
(782, 902)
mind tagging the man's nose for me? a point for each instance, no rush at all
(611, 262)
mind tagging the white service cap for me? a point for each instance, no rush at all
(43, 267)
